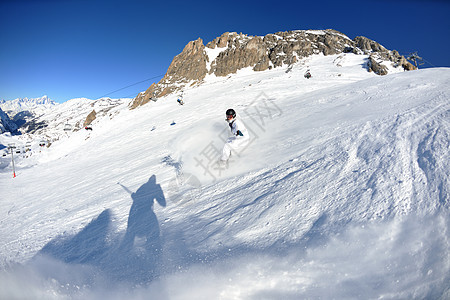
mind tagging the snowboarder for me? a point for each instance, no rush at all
(239, 138)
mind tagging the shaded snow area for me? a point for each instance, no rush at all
(342, 193)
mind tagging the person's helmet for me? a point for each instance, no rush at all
(231, 112)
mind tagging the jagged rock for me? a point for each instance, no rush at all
(406, 64)
(239, 56)
(400, 60)
(189, 65)
(376, 67)
(262, 53)
(220, 42)
(368, 46)
(91, 117)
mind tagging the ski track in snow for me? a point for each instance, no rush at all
(343, 193)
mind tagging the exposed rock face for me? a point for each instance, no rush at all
(91, 117)
(262, 53)
(241, 52)
(189, 65)
(368, 46)
(376, 67)
(377, 54)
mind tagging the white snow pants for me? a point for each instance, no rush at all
(233, 143)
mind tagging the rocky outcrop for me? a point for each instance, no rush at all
(240, 51)
(379, 54)
(91, 117)
(367, 46)
(189, 65)
(376, 67)
(273, 50)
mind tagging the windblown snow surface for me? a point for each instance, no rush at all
(343, 193)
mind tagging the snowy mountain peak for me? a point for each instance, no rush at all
(232, 52)
(72, 116)
(22, 110)
(44, 100)
(34, 105)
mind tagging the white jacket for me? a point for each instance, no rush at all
(238, 141)
(238, 130)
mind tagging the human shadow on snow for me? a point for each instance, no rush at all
(141, 247)
(135, 258)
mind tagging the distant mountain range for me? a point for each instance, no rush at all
(15, 113)
(48, 120)
(35, 105)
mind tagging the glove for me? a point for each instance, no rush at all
(239, 133)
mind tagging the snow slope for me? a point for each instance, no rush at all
(343, 193)
(6, 125)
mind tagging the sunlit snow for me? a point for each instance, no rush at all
(343, 193)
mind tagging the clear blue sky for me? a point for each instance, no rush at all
(89, 48)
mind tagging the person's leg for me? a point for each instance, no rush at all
(226, 152)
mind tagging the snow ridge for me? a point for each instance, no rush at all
(34, 105)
